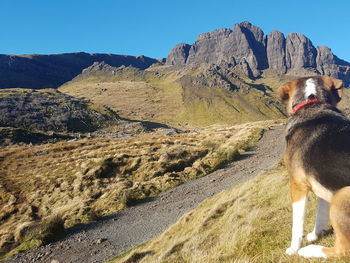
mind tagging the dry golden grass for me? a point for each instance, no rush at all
(250, 223)
(82, 180)
(134, 100)
(160, 96)
(149, 100)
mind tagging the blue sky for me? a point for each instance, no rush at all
(153, 27)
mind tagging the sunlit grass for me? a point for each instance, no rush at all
(83, 180)
(250, 223)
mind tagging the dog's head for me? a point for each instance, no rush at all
(324, 89)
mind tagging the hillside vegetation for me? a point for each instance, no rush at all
(198, 95)
(249, 223)
(50, 110)
(52, 186)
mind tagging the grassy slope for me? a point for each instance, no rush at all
(50, 110)
(152, 99)
(79, 181)
(250, 223)
(160, 96)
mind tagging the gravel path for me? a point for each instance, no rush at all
(102, 240)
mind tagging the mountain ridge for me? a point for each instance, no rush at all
(245, 47)
(249, 49)
(51, 71)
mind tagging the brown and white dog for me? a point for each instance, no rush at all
(318, 160)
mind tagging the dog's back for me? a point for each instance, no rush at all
(321, 139)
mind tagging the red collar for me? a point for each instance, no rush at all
(300, 105)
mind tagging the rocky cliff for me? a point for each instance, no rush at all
(247, 48)
(51, 71)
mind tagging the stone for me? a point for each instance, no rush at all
(324, 56)
(247, 50)
(100, 240)
(211, 47)
(276, 51)
(300, 53)
(242, 45)
(178, 55)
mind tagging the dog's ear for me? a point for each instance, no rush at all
(334, 87)
(284, 91)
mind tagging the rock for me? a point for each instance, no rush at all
(211, 47)
(255, 38)
(276, 51)
(178, 55)
(54, 261)
(330, 65)
(246, 49)
(324, 56)
(100, 240)
(300, 53)
(244, 67)
(244, 44)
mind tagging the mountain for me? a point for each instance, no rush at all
(247, 48)
(51, 71)
(244, 47)
(193, 95)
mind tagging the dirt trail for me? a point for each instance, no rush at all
(100, 241)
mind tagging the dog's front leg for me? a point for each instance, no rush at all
(322, 219)
(299, 198)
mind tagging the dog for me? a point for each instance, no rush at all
(317, 157)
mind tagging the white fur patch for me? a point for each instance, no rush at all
(320, 190)
(299, 209)
(312, 251)
(312, 236)
(310, 88)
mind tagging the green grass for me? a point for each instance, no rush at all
(249, 223)
(83, 180)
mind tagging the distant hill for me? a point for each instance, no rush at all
(51, 71)
(49, 110)
(250, 51)
(191, 95)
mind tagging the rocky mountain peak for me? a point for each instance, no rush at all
(250, 51)
(300, 52)
(248, 28)
(276, 51)
(325, 56)
(224, 32)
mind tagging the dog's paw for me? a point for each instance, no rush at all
(312, 251)
(312, 236)
(291, 251)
